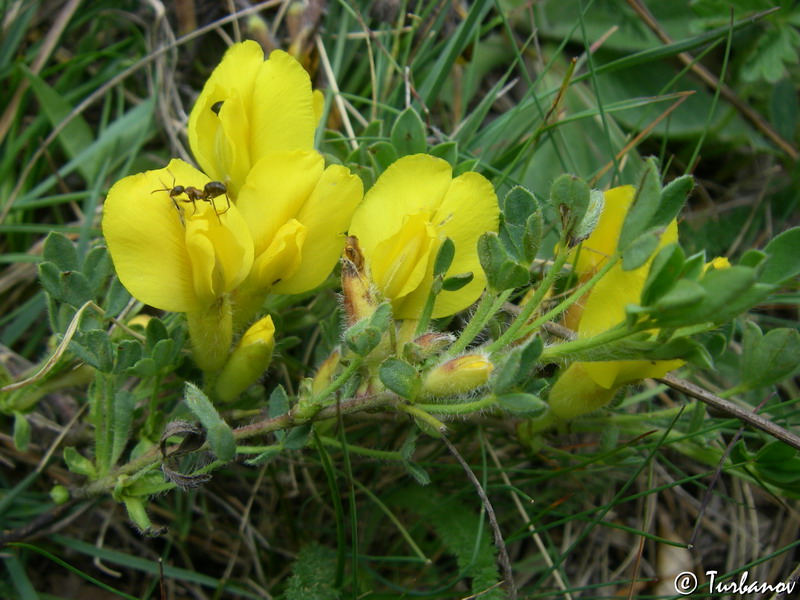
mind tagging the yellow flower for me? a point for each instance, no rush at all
(587, 386)
(297, 212)
(411, 209)
(250, 108)
(180, 253)
(174, 253)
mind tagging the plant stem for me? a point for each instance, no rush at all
(572, 299)
(458, 409)
(488, 306)
(532, 304)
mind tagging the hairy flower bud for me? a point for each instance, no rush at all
(457, 376)
(249, 360)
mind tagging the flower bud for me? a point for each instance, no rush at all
(325, 372)
(249, 360)
(359, 302)
(427, 345)
(458, 376)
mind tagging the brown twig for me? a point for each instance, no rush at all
(505, 562)
(726, 406)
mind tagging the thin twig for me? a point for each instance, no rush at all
(695, 391)
(726, 406)
(505, 563)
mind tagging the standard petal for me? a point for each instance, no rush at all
(283, 115)
(145, 237)
(412, 184)
(603, 241)
(234, 77)
(276, 190)
(326, 213)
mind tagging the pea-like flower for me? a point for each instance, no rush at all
(170, 251)
(587, 386)
(179, 244)
(413, 206)
(297, 212)
(250, 108)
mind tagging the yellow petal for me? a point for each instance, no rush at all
(602, 243)
(146, 238)
(220, 249)
(282, 258)
(275, 192)
(468, 211)
(217, 146)
(319, 106)
(400, 262)
(412, 184)
(326, 214)
(613, 374)
(575, 394)
(284, 116)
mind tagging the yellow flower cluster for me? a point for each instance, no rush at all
(266, 215)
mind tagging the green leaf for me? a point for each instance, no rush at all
(124, 405)
(219, 433)
(408, 133)
(664, 272)
(506, 373)
(297, 437)
(97, 267)
(154, 333)
(640, 250)
(522, 405)
(77, 135)
(78, 463)
(362, 338)
(447, 151)
(770, 358)
(419, 474)
(502, 272)
(313, 574)
(220, 438)
(456, 282)
(444, 257)
(783, 261)
(644, 207)
(400, 377)
(383, 155)
(571, 197)
(532, 238)
(673, 197)
(116, 299)
(145, 367)
(22, 432)
(163, 353)
(686, 293)
(60, 251)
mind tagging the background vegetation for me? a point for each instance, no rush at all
(93, 91)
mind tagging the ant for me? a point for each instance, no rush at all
(211, 190)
